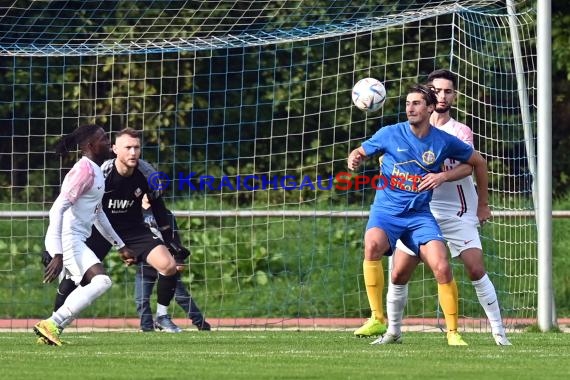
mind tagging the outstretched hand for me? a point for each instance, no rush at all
(128, 256)
(53, 268)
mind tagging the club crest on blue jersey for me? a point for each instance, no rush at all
(428, 157)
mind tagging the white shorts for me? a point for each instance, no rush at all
(77, 259)
(459, 233)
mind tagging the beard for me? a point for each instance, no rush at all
(442, 109)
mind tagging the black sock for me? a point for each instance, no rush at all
(165, 288)
(66, 286)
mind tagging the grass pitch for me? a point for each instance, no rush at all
(281, 355)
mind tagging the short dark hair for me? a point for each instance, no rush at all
(79, 137)
(129, 132)
(427, 93)
(443, 74)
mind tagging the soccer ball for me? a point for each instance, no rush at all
(369, 94)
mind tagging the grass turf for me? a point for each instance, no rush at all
(281, 355)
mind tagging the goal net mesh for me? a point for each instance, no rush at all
(245, 108)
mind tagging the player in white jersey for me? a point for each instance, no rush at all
(458, 210)
(126, 182)
(74, 212)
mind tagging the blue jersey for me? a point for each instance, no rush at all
(406, 159)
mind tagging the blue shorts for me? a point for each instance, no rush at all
(413, 228)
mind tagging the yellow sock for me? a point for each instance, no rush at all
(448, 299)
(374, 281)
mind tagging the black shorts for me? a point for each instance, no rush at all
(141, 241)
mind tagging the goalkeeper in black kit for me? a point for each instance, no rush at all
(125, 185)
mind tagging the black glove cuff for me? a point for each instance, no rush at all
(180, 253)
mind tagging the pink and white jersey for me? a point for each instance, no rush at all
(74, 211)
(457, 197)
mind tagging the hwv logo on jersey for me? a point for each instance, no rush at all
(119, 204)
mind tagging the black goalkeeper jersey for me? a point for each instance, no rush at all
(122, 201)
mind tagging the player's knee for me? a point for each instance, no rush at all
(372, 250)
(476, 273)
(162, 261)
(102, 281)
(399, 278)
(473, 263)
(442, 272)
(170, 270)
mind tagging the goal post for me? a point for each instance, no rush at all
(246, 112)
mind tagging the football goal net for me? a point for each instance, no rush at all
(245, 109)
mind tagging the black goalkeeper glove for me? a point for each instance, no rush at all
(172, 242)
(180, 253)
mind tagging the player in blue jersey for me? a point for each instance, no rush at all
(459, 209)
(413, 153)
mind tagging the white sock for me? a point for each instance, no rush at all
(80, 298)
(161, 310)
(396, 300)
(488, 299)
